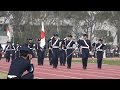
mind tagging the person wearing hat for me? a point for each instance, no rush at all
(40, 53)
(30, 44)
(17, 47)
(22, 64)
(55, 43)
(69, 47)
(62, 52)
(49, 45)
(85, 45)
(99, 52)
(9, 51)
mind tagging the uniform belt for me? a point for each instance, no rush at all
(69, 47)
(12, 76)
(62, 49)
(85, 47)
(10, 49)
(55, 47)
(50, 48)
(99, 50)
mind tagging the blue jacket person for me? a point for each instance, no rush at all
(21, 64)
(40, 52)
(9, 51)
(99, 52)
(69, 46)
(55, 42)
(30, 45)
(17, 47)
(50, 50)
(62, 52)
(85, 46)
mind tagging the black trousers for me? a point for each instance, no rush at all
(69, 58)
(28, 76)
(55, 57)
(13, 54)
(7, 56)
(99, 59)
(85, 55)
(62, 57)
(40, 55)
(17, 54)
(50, 56)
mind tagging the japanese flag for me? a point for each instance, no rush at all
(42, 43)
(9, 32)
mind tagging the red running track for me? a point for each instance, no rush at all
(76, 72)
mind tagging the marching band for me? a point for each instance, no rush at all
(59, 50)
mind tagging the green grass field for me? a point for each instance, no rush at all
(109, 62)
(3, 75)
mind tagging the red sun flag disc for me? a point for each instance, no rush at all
(42, 35)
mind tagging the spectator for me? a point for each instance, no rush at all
(108, 52)
(116, 52)
(112, 52)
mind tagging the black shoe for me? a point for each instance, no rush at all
(63, 64)
(55, 67)
(50, 64)
(99, 67)
(40, 64)
(84, 67)
(68, 67)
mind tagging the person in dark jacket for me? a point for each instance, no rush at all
(20, 65)
(99, 51)
(40, 53)
(85, 46)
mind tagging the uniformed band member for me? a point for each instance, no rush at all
(69, 46)
(40, 53)
(17, 50)
(85, 46)
(50, 50)
(99, 52)
(29, 44)
(55, 50)
(21, 64)
(1, 49)
(34, 51)
(9, 51)
(62, 52)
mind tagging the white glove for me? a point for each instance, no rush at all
(90, 53)
(31, 69)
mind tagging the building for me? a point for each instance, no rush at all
(4, 23)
